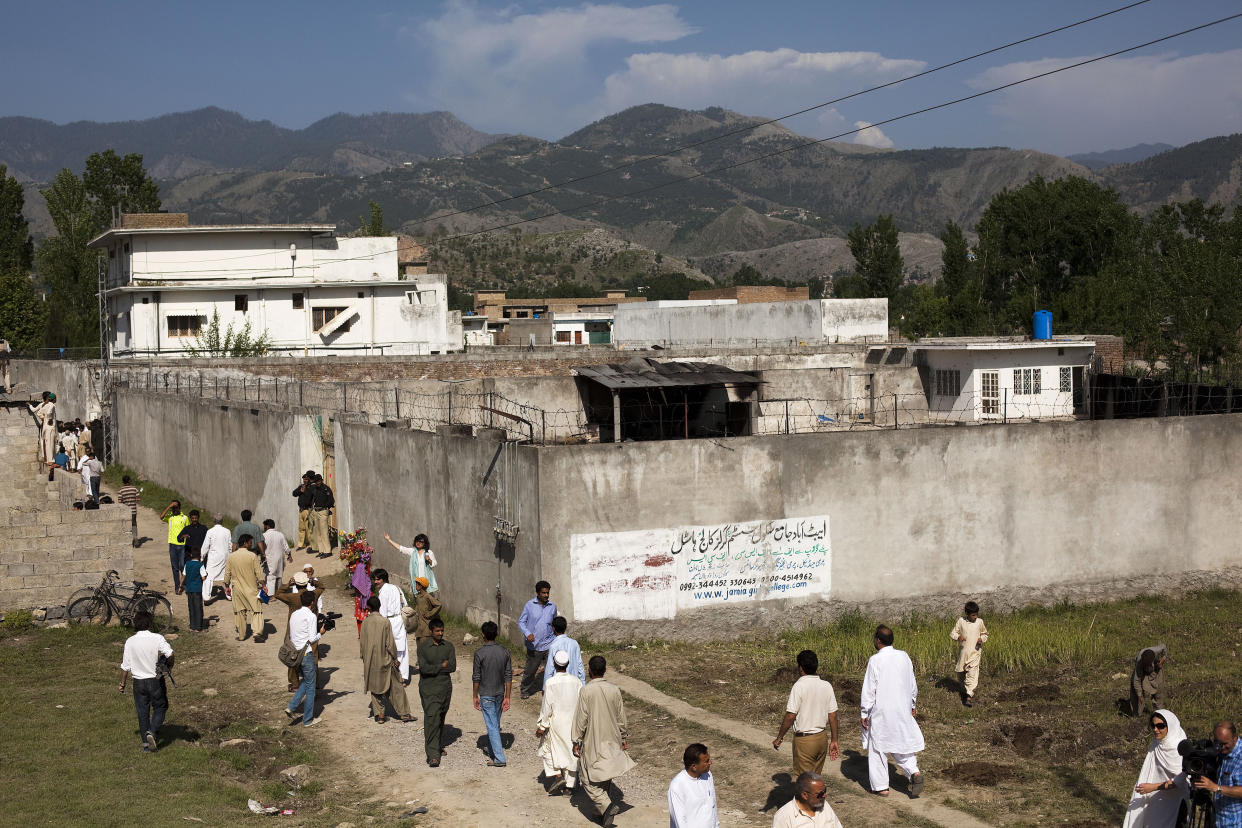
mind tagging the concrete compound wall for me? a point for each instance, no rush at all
(1023, 510)
(47, 550)
(910, 519)
(812, 320)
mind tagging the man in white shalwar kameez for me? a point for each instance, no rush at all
(556, 718)
(217, 544)
(392, 599)
(889, 693)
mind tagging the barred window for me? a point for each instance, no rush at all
(948, 382)
(182, 326)
(1027, 381)
(322, 316)
(1067, 380)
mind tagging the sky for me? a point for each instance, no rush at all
(548, 68)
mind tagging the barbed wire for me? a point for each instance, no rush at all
(1110, 397)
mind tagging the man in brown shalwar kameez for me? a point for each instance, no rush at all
(380, 664)
(600, 734)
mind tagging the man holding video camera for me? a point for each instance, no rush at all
(1227, 787)
(305, 628)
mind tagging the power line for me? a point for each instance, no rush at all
(805, 144)
(815, 142)
(751, 127)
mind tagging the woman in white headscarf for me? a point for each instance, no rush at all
(1161, 784)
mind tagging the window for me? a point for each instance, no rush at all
(1067, 380)
(322, 316)
(298, 303)
(989, 382)
(1027, 381)
(182, 326)
(562, 336)
(241, 302)
(360, 296)
(948, 383)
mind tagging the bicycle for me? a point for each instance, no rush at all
(111, 597)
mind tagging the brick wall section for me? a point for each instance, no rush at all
(137, 221)
(745, 294)
(1110, 354)
(46, 550)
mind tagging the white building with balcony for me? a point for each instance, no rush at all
(312, 292)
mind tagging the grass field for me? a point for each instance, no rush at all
(1045, 743)
(71, 747)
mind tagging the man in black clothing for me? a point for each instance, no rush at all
(192, 536)
(322, 502)
(305, 499)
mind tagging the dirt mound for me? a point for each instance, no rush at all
(1031, 692)
(1025, 738)
(985, 774)
(848, 690)
(785, 675)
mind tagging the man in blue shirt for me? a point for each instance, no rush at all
(563, 643)
(1227, 787)
(536, 625)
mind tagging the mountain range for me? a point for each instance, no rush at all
(751, 192)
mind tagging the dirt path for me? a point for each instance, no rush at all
(463, 791)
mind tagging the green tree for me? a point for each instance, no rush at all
(22, 311)
(917, 311)
(747, 274)
(67, 267)
(877, 256)
(1038, 242)
(850, 286)
(816, 287)
(116, 182)
(229, 343)
(375, 225)
(16, 247)
(964, 311)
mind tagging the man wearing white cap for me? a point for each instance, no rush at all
(556, 717)
(289, 595)
(217, 544)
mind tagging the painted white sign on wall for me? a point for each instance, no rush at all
(655, 573)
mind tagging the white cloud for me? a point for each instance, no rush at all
(757, 83)
(505, 70)
(871, 136)
(1119, 102)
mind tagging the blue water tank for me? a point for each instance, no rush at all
(1043, 324)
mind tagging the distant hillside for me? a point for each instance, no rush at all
(1129, 155)
(786, 214)
(1210, 170)
(190, 143)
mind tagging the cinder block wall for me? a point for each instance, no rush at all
(47, 550)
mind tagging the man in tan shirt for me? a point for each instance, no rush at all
(244, 575)
(812, 713)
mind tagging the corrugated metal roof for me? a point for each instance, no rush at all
(647, 373)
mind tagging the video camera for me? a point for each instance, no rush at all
(163, 669)
(328, 620)
(1200, 757)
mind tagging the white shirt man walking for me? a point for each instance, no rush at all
(692, 793)
(889, 694)
(141, 661)
(277, 552)
(217, 544)
(392, 599)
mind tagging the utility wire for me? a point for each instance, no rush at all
(805, 144)
(815, 142)
(751, 127)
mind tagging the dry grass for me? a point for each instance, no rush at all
(1047, 719)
